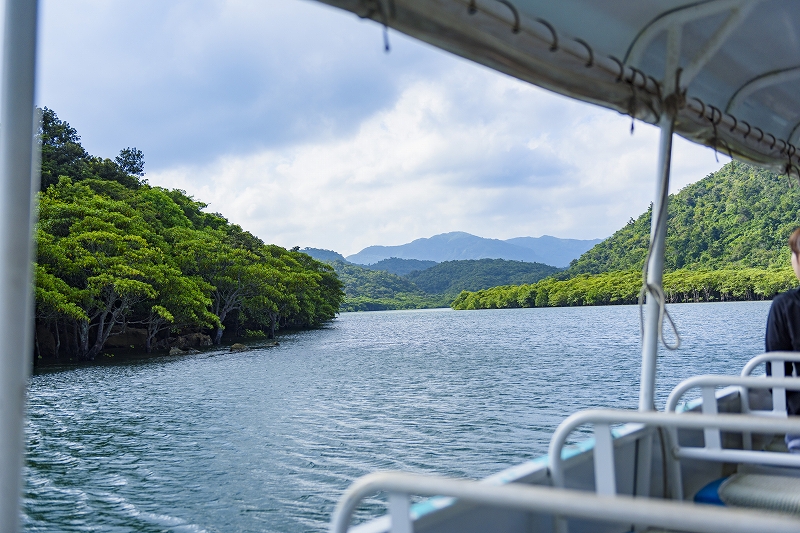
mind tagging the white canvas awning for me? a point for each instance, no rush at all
(736, 63)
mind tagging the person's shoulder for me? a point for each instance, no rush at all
(790, 297)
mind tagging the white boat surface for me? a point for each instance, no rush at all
(722, 73)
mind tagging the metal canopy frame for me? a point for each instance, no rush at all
(678, 17)
(763, 81)
(18, 182)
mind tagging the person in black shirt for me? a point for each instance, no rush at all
(783, 334)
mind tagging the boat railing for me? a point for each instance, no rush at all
(672, 515)
(771, 357)
(603, 419)
(774, 359)
(709, 383)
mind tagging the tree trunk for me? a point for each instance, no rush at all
(153, 328)
(100, 338)
(218, 334)
(83, 339)
(38, 353)
(58, 340)
(273, 318)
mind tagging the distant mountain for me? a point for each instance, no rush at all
(401, 267)
(555, 251)
(447, 247)
(452, 277)
(320, 254)
(459, 245)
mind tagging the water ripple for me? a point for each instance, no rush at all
(267, 440)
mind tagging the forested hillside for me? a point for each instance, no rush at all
(401, 267)
(368, 289)
(378, 290)
(726, 240)
(117, 255)
(452, 277)
(327, 256)
(739, 216)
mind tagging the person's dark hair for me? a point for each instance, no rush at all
(794, 241)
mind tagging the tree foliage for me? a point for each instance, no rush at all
(131, 160)
(740, 216)
(401, 267)
(452, 277)
(370, 289)
(613, 288)
(114, 253)
(377, 290)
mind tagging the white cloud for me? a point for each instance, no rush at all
(288, 118)
(466, 150)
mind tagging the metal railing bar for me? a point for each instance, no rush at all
(725, 381)
(769, 357)
(729, 422)
(740, 456)
(579, 504)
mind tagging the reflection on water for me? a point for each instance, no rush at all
(267, 440)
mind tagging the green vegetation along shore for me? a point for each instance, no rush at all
(726, 240)
(120, 259)
(613, 288)
(368, 289)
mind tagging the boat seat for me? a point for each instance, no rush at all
(709, 383)
(711, 424)
(710, 493)
(777, 361)
(756, 491)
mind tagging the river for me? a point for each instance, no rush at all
(267, 440)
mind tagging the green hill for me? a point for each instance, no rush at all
(401, 267)
(737, 217)
(726, 240)
(359, 281)
(326, 256)
(367, 289)
(378, 290)
(452, 277)
(119, 259)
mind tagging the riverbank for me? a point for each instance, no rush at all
(121, 355)
(616, 288)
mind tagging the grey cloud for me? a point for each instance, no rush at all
(188, 81)
(518, 166)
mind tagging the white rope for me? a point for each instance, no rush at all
(655, 291)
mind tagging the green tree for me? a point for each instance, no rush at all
(131, 160)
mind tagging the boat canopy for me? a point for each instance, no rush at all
(730, 68)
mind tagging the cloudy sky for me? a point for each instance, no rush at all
(288, 117)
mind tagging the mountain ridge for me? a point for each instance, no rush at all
(459, 245)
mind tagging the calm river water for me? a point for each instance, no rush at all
(267, 440)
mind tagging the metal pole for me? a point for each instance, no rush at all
(655, 268)
(17, 186)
